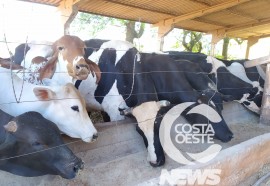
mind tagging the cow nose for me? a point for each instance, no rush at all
(76, 168)
(228, 138)
(81, 66)
(157, 164)
(82, 165)
(95, 136)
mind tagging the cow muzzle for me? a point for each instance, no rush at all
(70, 170)
(158, 163)
(91, 139)
(79, 166)
(95, 137)
(81, 71)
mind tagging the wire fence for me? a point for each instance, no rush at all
(131, 94)
(133, 73)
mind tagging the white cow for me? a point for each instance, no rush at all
(63, 105)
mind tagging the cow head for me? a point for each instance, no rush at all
(252, 103)
(67, 109)
(69, 51)
(34, 147)
(148, 127)
(209, 108)
(149, 116)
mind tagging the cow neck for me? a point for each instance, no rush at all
(6, 140)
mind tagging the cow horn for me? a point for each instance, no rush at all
(11, 126)
(94, 68)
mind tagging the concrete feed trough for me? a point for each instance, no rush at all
(119, 156)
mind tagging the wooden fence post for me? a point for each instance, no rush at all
(265, 109)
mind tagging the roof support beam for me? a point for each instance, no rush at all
(245, 26)
(201, 12)
(162, 32)
(68, 11)
(251, 41)
(240, 15)
(216, 37)
(265, 109)
(256, 62)
(264, 35)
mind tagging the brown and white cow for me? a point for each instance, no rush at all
(64, 59)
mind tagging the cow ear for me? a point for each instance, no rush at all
(11, 126)
(94, 68)
(43, 94)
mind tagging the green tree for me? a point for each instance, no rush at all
(191, 41)
(92, 24)
(226, 42)
(133, 30)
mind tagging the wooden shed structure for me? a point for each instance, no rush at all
(246, 19)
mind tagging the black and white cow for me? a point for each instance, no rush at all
(93, 45)
(130, 78)
(116, 60)
(231, 79)
(31, 145)
(20, 52)
(253, 74)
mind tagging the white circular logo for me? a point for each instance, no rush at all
(189, 134)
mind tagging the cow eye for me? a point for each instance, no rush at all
(60, 48)
(75, 108)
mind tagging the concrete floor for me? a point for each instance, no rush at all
(119, 155)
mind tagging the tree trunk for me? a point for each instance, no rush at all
(195, 44)
(226, 42)
(131, 32)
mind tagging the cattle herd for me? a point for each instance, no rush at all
(49, 89)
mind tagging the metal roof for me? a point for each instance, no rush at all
(234, 18)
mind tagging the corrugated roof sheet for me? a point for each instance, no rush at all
(248, 18)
